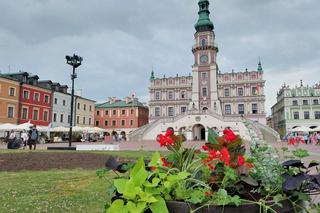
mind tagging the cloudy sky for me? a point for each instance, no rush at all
(121, 41)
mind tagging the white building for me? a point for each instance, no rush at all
(296, 106)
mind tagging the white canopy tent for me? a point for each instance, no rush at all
(317, 129)
(302, 129)
(7, 127)
(59, 129)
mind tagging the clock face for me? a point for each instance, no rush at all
(203, 58)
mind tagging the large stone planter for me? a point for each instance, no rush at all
(182, 207)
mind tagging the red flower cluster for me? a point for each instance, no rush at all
(165, 140)
(241, 160)
(295, 140)
(229, 136)
(222, 155)
(164, 162)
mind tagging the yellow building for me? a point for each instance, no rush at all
(84, 112)
(9, 100)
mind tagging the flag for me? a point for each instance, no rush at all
(258, 90)
(212, 136)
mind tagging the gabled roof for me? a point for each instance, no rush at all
(120, 104)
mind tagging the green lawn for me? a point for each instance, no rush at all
(52, 191)
(122, 154)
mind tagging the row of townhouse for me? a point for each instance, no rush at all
(24, 98)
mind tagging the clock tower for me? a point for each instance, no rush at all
(205, 68)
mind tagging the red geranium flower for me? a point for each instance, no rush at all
(229, 136)
(153, 168)
(241, 160)
(164, 162)
(211, 167)
(165, 140)
(225, 156)
(205, 148)
(208, 194)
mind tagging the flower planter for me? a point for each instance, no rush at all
(183, 207)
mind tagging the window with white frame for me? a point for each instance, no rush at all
(296, 115)
(45, 115)
(54, 117)
(226, 92)
(10, 111)
(170, 95)
(24, 114)
(306, 115)
(254, 108)
(35, 114)
(204, 92)
(46, 99)
(227, 109)
(183, 94)
(157, 111)
(61, 118)
(240, 91)
(183, 109)
(157, 95)
(26, 94)
(317, 115)
(241, 109)
(12, 91)
(36, 96)
(170, 111)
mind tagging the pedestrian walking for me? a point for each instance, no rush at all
(33, 137)
(25, 138)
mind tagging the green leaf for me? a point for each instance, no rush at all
(137, 167)
(146, 197)
(212, 136)
(197, 196)
(183, 175)
(155, 182)
(120, 184)
(277, 199)
(155, 159)
(131, 190)
(136, 208)
(160, 206)
(117, 206)
(235, 200)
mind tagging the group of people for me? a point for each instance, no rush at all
(29, 138)
(307, 138)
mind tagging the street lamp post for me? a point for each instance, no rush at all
(74, 61)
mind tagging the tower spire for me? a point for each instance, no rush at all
(152, 75)
(204, 23)
(259, 69)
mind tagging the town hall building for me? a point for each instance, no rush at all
(232, 94)
(207, 97)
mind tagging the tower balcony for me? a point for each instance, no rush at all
(208, 45)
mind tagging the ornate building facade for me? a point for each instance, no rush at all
(234, 94)
(296, 106)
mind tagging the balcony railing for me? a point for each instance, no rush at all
(205, 46)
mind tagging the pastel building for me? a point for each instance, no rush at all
(60, 103)
(84, 111)
(121, 116)
(9, 100)
(34, 101)
(296, 106)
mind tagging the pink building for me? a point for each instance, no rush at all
(121, 116)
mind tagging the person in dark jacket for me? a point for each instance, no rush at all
(33, 137)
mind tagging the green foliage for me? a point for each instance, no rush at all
(222, 198)
(300, 153)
